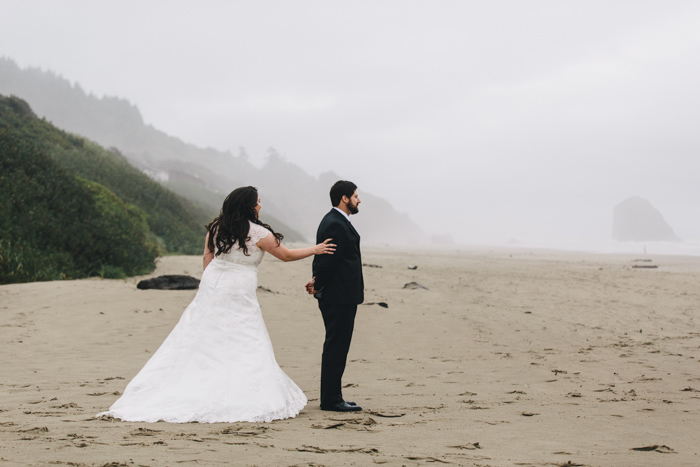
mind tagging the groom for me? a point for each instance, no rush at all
(339, 288)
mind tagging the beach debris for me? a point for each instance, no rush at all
(414, 285)
(38, 429)
(364, 421)
(385, 414)
(169, 282)
(469, 446)
(144, 432)
(689, 389)
(662, 448)
(639, 260)
(413, 268)
(371, 265)
(70, 405)
(381, 304)
(328, 427)
(644, 266)
(427, 459)
(318, 450)
(265, 289)
(104, 418)
(529, 414)
(246, 431)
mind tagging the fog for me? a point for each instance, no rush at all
(488, 121)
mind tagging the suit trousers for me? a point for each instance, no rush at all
(339, 321)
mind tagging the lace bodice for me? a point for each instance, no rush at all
(255, 254)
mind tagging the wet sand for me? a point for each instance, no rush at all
(506, 357)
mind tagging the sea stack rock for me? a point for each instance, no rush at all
(636, 220)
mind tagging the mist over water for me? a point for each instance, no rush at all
(494, 123)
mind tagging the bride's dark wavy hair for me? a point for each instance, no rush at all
(232, 226)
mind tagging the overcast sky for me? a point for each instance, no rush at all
(488, 120)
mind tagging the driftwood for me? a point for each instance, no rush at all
(414, 285)
(381, 304)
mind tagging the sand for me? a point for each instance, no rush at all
(509, 357)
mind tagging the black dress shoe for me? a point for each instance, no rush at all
(350, 403)
(342, 407)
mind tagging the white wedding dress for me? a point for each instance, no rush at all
(217, 364)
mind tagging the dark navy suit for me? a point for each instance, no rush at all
(340, 289)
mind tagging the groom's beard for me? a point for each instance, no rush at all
(353, 208)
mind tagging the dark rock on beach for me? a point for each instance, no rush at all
(169, 282)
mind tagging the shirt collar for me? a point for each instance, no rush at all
(342, 212)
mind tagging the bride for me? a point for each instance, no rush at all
(217, 364)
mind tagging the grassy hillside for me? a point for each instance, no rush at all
(70, 208)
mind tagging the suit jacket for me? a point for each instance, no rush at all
(339, 276)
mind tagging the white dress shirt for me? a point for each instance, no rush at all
(342, 212)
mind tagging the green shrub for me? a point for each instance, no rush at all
(175, 220)
(20, 262)
(111, 272)
(57, 226)
(70, 209)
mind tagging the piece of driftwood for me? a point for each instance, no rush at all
(381, 304)
(662, 448)
(169, 282)
(414, 285)
(644, 266)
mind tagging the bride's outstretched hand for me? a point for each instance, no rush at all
(325, 248)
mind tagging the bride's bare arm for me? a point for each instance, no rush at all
(208, 254)
(280, 251)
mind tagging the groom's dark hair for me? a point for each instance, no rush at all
(341, 188)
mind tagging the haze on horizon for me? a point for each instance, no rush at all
(485, 120)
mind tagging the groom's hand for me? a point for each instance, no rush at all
(310, 286)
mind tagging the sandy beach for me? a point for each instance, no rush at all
(506, 357)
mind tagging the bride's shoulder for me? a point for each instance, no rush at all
(257, 232)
